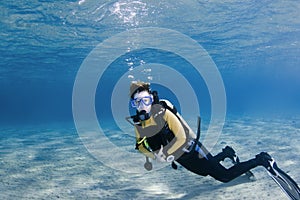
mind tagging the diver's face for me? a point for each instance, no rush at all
(143, 101)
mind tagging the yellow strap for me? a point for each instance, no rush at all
(142, 140)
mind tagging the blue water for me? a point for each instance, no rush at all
(255, 46)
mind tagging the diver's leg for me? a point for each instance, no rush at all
(195, 163)
(227, 152)
(210, 166)
(222, 174)
(219, 172)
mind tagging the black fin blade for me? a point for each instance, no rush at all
(286, 183)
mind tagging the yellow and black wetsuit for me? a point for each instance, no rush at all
(166, 129)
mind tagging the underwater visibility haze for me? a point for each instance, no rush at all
(67, 61)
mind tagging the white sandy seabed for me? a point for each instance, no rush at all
(52, 163)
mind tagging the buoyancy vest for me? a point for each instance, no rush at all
(160, 134)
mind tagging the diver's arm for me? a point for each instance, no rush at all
(141, 147)
(178, 130)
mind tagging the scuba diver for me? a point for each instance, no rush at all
(163, 135)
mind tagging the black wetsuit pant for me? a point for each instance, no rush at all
(195, 162)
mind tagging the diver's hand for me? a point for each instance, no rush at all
(160, 156)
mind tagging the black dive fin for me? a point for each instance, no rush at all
(286, 183)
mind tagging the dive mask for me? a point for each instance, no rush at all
(147, 101)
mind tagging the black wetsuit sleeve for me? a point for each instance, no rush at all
(140, 145)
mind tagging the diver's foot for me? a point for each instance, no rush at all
(264, 159)
(230, 153)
